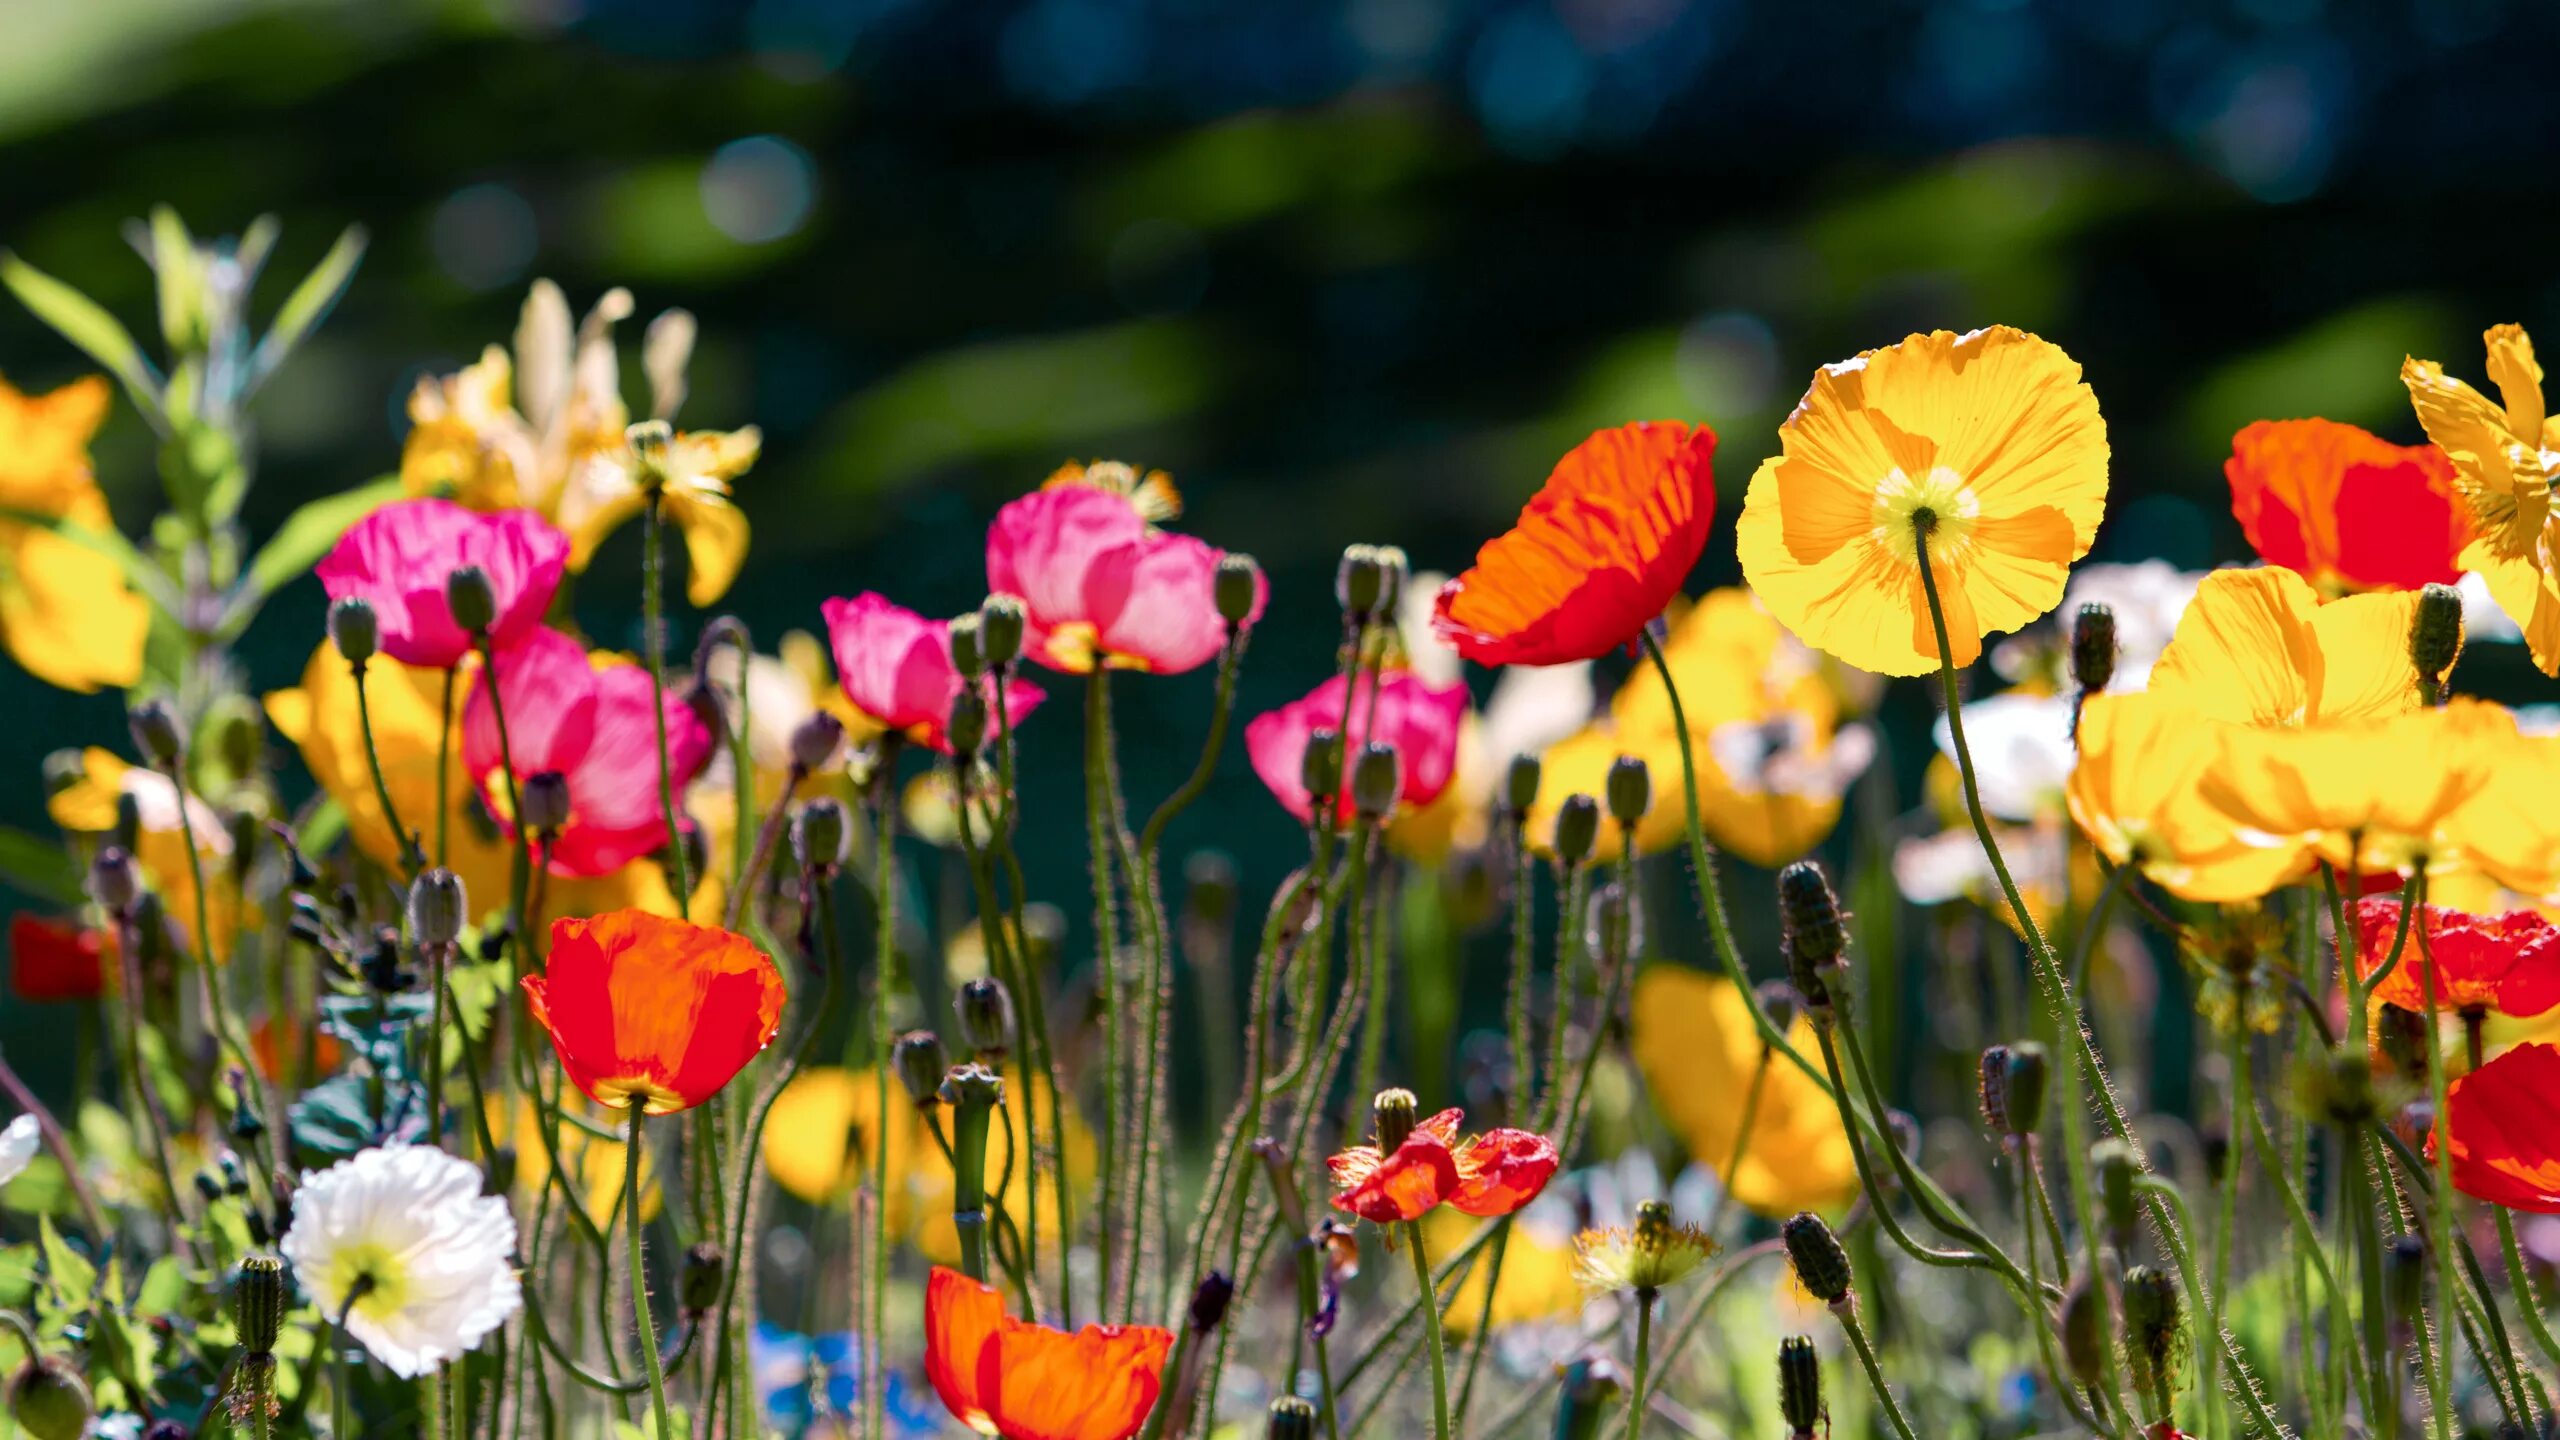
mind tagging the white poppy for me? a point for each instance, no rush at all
(2022, 753)
(2482, 619)
(435, 1258)
(17, 1147)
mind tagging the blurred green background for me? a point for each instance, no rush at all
(1350, 269)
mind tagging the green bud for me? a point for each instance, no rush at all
(2030, 1078)
(1822, 1266)
(1291, 1419)
(1209, 880)
(820, 836)
(703, 1278)
(1809, 915)
(1800, 1387)
(1320, 769)
(1376, 779)
(2404, 1283)
(2153, 1325)
(355, 630)
(969, 645)
(239, 731)
(967, 727)
(155, 733)
(985, 1009)
(2117, 1165)
(1577, 829)
(437, 909)
(1359, 582)
(1630, 789)
(1520, 786)
(544, 802)
(1237, 587)
(1000, 622)
(258, 1303)
(815, 741)
(918, 1058)
(2435, 639)
(1992, 1089)
(1392, 569)
(50, 1401)
(2093, 648)
(471, 599)
(2084, 1330)
(1395, 1112)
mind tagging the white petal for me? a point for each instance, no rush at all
(18, 1146)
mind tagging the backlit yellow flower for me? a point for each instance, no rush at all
(1695, 1042)
(2135, 795)
(595, 1163)
(1988, 441)
(2369, 796)
(2257, 647)
(65, 612)
(609, 487)
(2508, 835)
(1537, 1273)
(89, 805)
(2505, 456)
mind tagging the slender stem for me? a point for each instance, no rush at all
(2440, 1372)
(1483, 1336)
(1742, 1144)
(2520, 1280)
(884, 829)
(653, 622)
(1106, 954)
(1848, 1312)
(1524, 901)
(411, 858)
(640, 1273)
(55, 1141)
(1431, 1331)
(444, 768)
(1644, 1355)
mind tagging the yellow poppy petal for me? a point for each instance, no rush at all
(65, 611)
(1694, 1040)
(2517, 375)
(715, 545)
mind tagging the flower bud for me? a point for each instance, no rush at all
(1520, 786)
(1780, 1002)
(814, 741)
(543, 802)
(702, 1279)
(2030, 1079)
(1395, 1112)
(1992, 1089)
(967, 727)
(2084, 1329)
(258, 1303)
(1822, 1266)
(471, 599)
(155, 733)
(239, 732)
(2117, 1165)
(821, 835)
(1238, 585)
(1359, 582)
(985, 1009)
(2093, 648)
(1375, 780)
(1800, 1387)
(2404, 1284)
(1209, 1302)
(1811, 934)
(1320, 769)
(1613, 928)
(1209, 881)
(2153, 1325)
(1630, 789)
(969, 645)
(1000, 622)
(115, 881)
(918, 1058)
(1393, 567)
(1587, 1388)
(1577, 829)
(2435, 638)
(1291, 1419)
(355, 630)
(436, 909)
(49, 1400)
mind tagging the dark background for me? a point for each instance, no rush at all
(1352, 271)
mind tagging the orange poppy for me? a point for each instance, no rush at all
(651, 1011)
(2508, 963)
(2346, 509)
(2504, 1126)
(1597, 554)
(1491, 1174)
(55, 959)
(1025, 1381)
(271, 1045)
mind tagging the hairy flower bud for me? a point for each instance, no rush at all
(50, 1401)
(1291, 1419)
(1000, 622)
(967, 727)
(704, 1276)
(1630, 789)
(1359, 582)
(115, 881)
(2084, 1329)
(355, 629)
(969, 645)
(2093, 648)
(258, 1303)
(1395, 1112)
(1992, 1089)
(468, 594)
(1800, 1387)
(155, 733)
(1375, 779)
(2435, 639)
(2030, 1078)
(1822, 1266)
(918, 1058)
(821, 835)
(2404, 1284)
(1237, 586)
(1320, 768)
(543, 801)
(2153, 1325)
(2117, 1165)
(437, 908)
(815, 741)
(1811, 932)
(1577, 829)
(985, 1009)
(1520, 786)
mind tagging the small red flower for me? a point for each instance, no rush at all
(2506, 963)
(649, 1011)
(55, 959)
(1504, 1170)
(1596, 555)
(1491, 1174)
(1024, 1381)
(2503, 1122)
(2345, 509)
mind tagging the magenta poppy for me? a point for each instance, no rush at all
(399, 558)
(895, 666)
(1102, 588)
(1421, 720)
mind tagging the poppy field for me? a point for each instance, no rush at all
(508, 1031)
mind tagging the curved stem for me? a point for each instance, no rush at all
(412, 858)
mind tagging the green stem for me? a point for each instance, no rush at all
(2440, 1371)
(1106, 952)
(444, 768)
(640, 1273)
(1644, 1356)
(2520, 1280)
(884, 969)
(412, 859)
(1848, 1313)
(1524, 901)
(1477, 1342)
(1431, 1331)
(653, 622)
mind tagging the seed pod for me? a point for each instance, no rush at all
(1395, 1112)
(704, 1276)
(471, 599)
(1000, 622)
(820, 836)
(1520, 786)
(1375, 781)
(2030, 1080)
(437, 908)
(814, 741)
(1822, 1266)
(258, 1303)
(1800, 1386)
(2435, 638)
(115, 881)
(918, 1058)
(2093, 648)
(1320, 769)
(1630, 789)
(1291, 1419)
(969, 645)
(1577, 829)
(1237, 588)
(1359, 581)
(2084, 1330)
(355, 629)
(967, 727)
(985, 1009)
(50, 1401)
(972, 1087)
(155, 733)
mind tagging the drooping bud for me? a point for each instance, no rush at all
(1320, 768)
(2435, 639)
(115, 881)
(1811, 932)
(985, 1009)
(1520, 786)
(1359, 582)
(1395, 1112)
(1822, 1266)
(821, 835)
(1630, 789)
(1800, 1387)
(969, 645)
(2084, 1329)
(1209, 1302)
(544, 801)
(50, 1401)
(2153, 1326)
(814, 741)
(967, 727)
(1375, 780)
(2404, 1285)
(468, 594)
(437, 907)
(155, 733)
(704, 1276)
(258, 1303)
(1577, 829)
(1238, 585)
(1000, 622)
(1291, 1419)
(355, 629)
(918, 1058)
(2093, 648)
(2116, 1165)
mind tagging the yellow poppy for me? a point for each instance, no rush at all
(817, 1147)
(1537, 1273)
(694, 496)
(1696, 1044)
(1988, 439)
(2369, 796)
(2134, 794)
(90, 805)
(2508, 834)
(595, 1163)
(2504, 458)
(466, 440)
(65, 612)
(2258, 648)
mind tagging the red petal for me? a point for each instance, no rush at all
(961, 1319)
(1405, 1185)
(2503, 1122)
(1097, 1384)
(1504, 1170)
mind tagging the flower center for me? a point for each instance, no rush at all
(1939, 503)
(381, 1273)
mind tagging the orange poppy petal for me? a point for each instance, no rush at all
(650, 1010)
(2346, 508)
(2503, 1124)
(1504, 1170)
(961, 1319)
(1096, 1384)
(1406, 1185)
(2509, 963)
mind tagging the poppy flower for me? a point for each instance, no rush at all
(1419, 719)
(1597, 553)
(592, 726)
(2505, 457)
(1101, 587)
(1023, 1381)
(1990, 435)
(895, 666)
(1697, 1047)
(52, 959)
(692, 476)
(649, 1011)
(399, 557)
(2508, 963)
(2134, 794)
(2509, 832)
(2364, 796)
(2346, 509)
(1495, 1173)
(65, 611)
(90, 805)
(2503, 1124)
(2259, 648)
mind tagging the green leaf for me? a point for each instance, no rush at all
(298, 544)
(165, 1288)
(309, 303)
(145, 577)
(69, 1271)
(86, 324)
(39, 867)
(180, 275)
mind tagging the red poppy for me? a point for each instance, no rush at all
(1492, 1174)
(2503, 1121)
(652, 1011)
(1597, 554)
(55, 959)
(2508, 963)
(2346, 509)
(1024, 1381)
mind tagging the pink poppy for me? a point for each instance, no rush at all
(399, 557)
(1421, 720)
(593, 727)
(1102, 587)
(895, 666)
